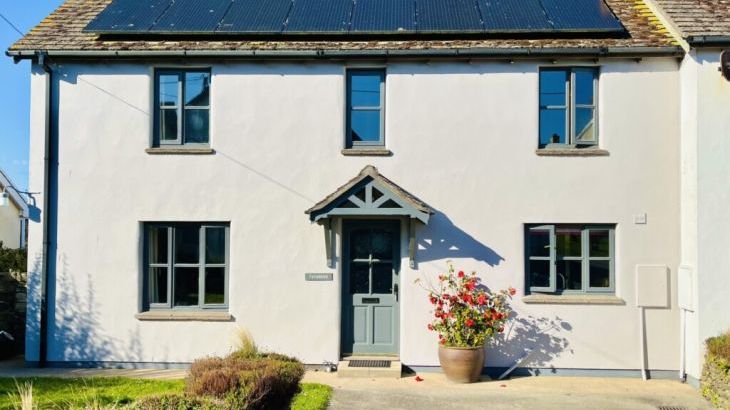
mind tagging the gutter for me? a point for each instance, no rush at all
(709, 41)
(450, 53)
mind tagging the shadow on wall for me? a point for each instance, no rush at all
(541, 338)
(442, 240)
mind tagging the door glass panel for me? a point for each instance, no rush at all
(360, 244)
(382, 278)
(359, 278)
(382, 244)
(215, 245)
(568, 241)
(158, 285)
(214, 285)
(158, 244)
(599, 274)
(186, 286)
(598, 243)
(569, 275)
(539, 243)
(540, 273)
(186, 244)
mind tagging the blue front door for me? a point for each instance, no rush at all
(370, 269)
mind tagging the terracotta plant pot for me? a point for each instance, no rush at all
(462, 364)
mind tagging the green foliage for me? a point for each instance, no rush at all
(82, 393)
(715, 381)
(720, 347)
(13, 260)
(246, 346)
(312, 396)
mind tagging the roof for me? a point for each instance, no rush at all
(62, 33)
(367, 204)
(16, 198)
(698, 18)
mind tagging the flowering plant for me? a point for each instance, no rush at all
(466, 313)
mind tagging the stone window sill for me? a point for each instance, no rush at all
(176, 315)
(367, 152)
(571, 152)
(179, 151)
(539, 299)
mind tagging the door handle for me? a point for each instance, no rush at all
(395, 290)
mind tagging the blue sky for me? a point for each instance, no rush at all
(15, 105)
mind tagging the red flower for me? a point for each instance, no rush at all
(443, 341)
(433, 300)
(430, 326)
(445, 296)
(482, 299)
(512, 291)
(501, 329)
(470, 285)
(461, 274)
(467, 298)
(469, 323)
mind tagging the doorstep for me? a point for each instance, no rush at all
(391, 370)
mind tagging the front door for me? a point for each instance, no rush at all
(370, 256)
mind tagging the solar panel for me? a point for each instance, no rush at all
(581, 15)
(376, 16)
(448, 16)
(319, 16)
(252, 16)
(128, 16)
(354, 16)
(192, 16)
(513, 15)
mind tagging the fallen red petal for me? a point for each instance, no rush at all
(502, 385)
(419, 379)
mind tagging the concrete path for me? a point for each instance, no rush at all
(435, 392)
(16, 368)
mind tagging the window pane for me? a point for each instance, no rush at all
(158, 244)
(168, 87)
(540, 274)
(552, 87)
(168, 125)
(215, 283)
(186, 244)
(599, 274)
(196, 126)
(382, 244)
(570, 274)
(584, 86)
(365, 125)
(186, 286)
(382, 278)
(365, 89)
(359, 278)
(539, 243)
(215, 245)
(158, 285)
(584, 125)
(552, 127)
(598, 243)
(568, 242)
(197, 89)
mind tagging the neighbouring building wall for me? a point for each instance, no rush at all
(463, 137)
(10, 226)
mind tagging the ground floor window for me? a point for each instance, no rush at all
(186, 265)
(570, 258)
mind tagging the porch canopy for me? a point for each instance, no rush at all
(370, 194)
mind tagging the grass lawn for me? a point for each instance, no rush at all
(79, 393)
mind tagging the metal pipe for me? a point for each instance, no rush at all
(43, 328)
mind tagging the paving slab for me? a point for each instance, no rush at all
(436, 392)
(16, 368)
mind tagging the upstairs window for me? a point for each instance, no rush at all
(568, 107)
(365, 108)
(182, 107)
(570, 258)
(186, 266)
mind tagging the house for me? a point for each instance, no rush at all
(293, 169)
(13, 214)
(703, 30)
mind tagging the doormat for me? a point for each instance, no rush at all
(368, 363)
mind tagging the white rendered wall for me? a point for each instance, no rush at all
(10, 224)
(463, 138)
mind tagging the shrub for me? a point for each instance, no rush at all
(715, 381)
(13, 260)
(260, 382)
(176, 402)
(720, 347)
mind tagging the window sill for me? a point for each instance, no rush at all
(179, 151)
(176, 315)
(539, 299)
(571, 152)
(367, 152)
